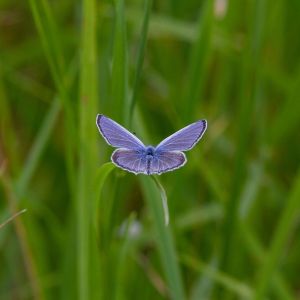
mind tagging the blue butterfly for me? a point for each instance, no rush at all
(135, 157)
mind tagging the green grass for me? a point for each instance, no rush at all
(93, 231)
(87, 269)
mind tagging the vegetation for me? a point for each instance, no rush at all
(93, 231)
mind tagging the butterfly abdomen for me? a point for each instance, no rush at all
(148, 165)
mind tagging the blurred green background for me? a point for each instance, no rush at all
(92, 231)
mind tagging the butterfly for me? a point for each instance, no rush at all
(133, 156)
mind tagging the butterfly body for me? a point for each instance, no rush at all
(149, 153)
(132, 155)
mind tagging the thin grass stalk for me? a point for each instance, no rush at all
(12, 218)
(22, 234)
(41, 139)
(230, 283)
(280, 238)
(119, 105)
(250, 64)
(198, 63)
(140, 59)
(38, 146)
(164, 239)
(8, 136)
(87, 149)
(279, 286)
(45, 24)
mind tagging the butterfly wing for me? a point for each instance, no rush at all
(184, 139)
(132, 155)
(130, 160)
(166, 161)
(116, 135)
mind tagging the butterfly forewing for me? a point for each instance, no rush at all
(184, 139)
(116, 135)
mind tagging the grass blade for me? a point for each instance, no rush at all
(87, 149)
(7, 135)
(288, 117)
(121, 272)
(164, 239)
(278, 285)
(164, 199)
(228, 282)
(198, 63)
(44, 21)
(280, 238)
(41, 139)
(45, 24)
(12, 218)
(101, 176)
(38, 146)
(163, 25)
(23, 238)
(250, 62)
(140, 59)
(119, 79)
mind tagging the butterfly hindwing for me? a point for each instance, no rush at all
(131, 160)
(167, 161)
(137, 162)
